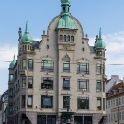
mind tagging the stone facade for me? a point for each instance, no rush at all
(58, 51)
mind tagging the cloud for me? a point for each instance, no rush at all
(37, 39)
(7, 52)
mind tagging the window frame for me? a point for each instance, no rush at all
(31, 102)
(30, 78)
(66, 63)
(23, 81)
(98, 68)
(97, 89)
(65, 103)
(11, 78)
(86, 65)
(64, 87)
(47, 68)
(84, 105)
(79, 81)
(23, 104)
(48, 86)
(30, 68)
(99, 107)
(24, 64)
(46, 106)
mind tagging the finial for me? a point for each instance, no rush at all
(100, 34)
(20, 33)
(43, 32)
(26, 29)
(86, 35)
(14, 58)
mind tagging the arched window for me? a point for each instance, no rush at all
(25, 47)
(28, 47)
(64, 37)
(61, 37)
(68, 38)
(72, 38)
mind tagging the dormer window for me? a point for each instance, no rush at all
(61, 37)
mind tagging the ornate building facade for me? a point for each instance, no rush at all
(58, 73)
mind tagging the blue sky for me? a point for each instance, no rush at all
(92, 14)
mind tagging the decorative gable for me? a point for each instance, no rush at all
(66, 58)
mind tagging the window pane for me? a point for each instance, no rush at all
(11, 77)
(23, 82)
(66, 67)
(11, 93)
(23, 101)
(30, 64)
(83, 68)
(83, 103)
(47, 101)
(83, 85)
(30, 82)
(66, 101)
(47, 83)
(30, 101)
(98, 68)
(47, 65)
(98, 86)
(66, 83)
(98, 103)
(23, 64)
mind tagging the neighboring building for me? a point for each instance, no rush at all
(112, 82)
(115, 104)
(3, 105)
(59, 71)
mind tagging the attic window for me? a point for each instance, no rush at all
(64, 37)
(61, 37)
(72, 38)
(68, 38)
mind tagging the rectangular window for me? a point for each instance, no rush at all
(99, 86)
(30, 64)
(104, 86)
(23, 82)
(99, 103)
(10, 109)
(108, 104)
(47, 83)
(122, 99)
(83, 84)
(66, 67)
(23, 101)
(103, 69)
(66, 101)
(66, 83)
(24, 63)
(98, 68)
(122, 115)
(117, 102)
(11, 93)
(30, 101)
(83, 68)
(30, 82)
(103, 103)
(119, 115)
(83, 103)
(46, 101)
(11, 77)
(47, 65)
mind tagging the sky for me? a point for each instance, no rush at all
(92, 14)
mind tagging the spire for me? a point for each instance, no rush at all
(100, 34)
(26, 29)
(14, 58)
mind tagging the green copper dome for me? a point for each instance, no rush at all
(66, 20)
(100, 43)
(12, 64)
(65, 1)
(26, 38)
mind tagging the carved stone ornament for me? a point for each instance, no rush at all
(66, 47)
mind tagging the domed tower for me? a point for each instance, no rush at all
(12, 64)
(25, 41)
(100, 46)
